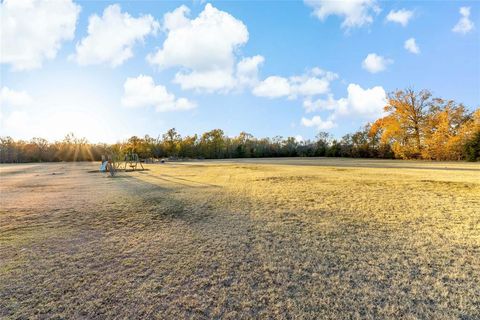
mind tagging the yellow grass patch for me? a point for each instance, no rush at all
(323, 238)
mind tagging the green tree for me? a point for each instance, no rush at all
(171, 142)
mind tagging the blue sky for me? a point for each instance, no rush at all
(269, 68)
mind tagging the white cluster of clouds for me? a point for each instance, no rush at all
(365, 102)
(368, 103)
(112, 36)
(204, 43)
(315, 82)
(247, 71)
(205, 48)
(142, 92)
(411, 46)
(33, 30)
(318, 123)
(10, 98)
(320, 104)
(401, 16)
(355, 13)
(464, 25)
(359, 13)
(375, 63)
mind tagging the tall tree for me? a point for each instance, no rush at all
(171, 142)
(404, 126)
(470, 137)
(213, 143)
(442, 129)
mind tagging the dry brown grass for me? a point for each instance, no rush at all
(324, 238)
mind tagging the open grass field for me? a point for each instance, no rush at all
(283, 239)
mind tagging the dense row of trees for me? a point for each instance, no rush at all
(416, 126)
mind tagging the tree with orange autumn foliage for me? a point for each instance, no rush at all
(403, 127)
(419, 126)
(444, 130)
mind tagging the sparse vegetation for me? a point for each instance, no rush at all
(264, 238)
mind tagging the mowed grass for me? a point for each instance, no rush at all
(283, 238)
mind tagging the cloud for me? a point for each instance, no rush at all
(320, 104)
(176, 19)
(112, 36)
(221, 79)
(367, 103)
(318, 123)
(33, 30)
(464, 25)
(315, 82)
(142, 92)
(411, 45)
(247, 70)
(205, 48)
(355, 13)
(401, 16)
(14, 99)
(374, 63)
(273, 87)
(208, 81)
(203, 43)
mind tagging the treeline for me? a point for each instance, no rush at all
(416, 126)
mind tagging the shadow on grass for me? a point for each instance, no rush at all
(159, 200)
(118, 170)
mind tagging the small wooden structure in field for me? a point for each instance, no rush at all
(113, 163)
(132, 161)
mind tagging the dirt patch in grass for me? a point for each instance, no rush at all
(454, 184)
(287, 179)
